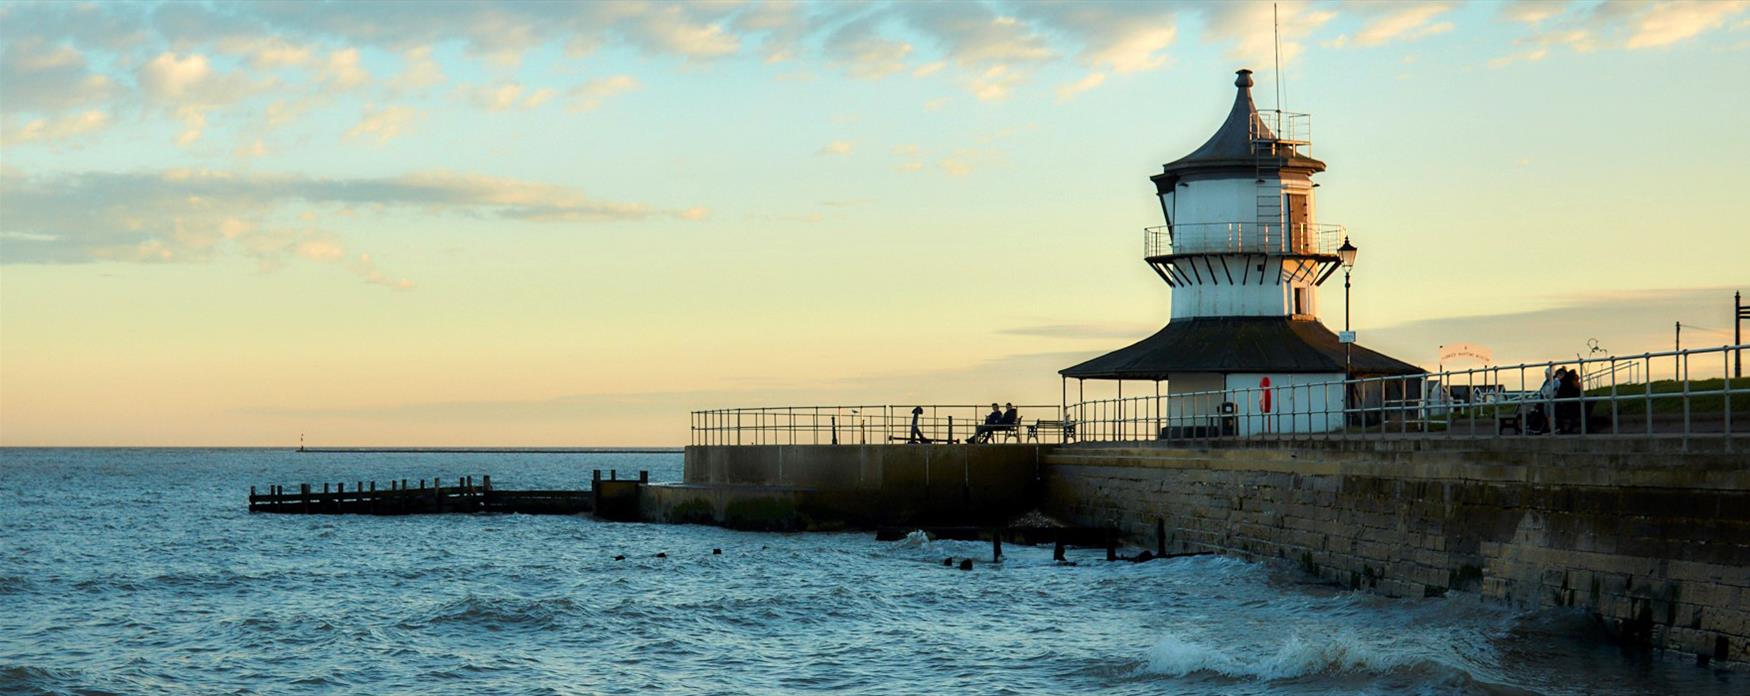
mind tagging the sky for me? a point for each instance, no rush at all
(425, 223)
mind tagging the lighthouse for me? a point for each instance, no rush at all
(1242, 251)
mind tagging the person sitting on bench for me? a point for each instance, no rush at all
(992, 423)
(1011, 421)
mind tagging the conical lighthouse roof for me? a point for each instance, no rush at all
(1234, 145)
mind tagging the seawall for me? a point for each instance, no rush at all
(814, 486)
(1653, 541)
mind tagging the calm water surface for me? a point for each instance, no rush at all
(141, 571)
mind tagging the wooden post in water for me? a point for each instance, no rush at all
(1057, 550)
(613, 475)
(996, 545)
(1160, 536)
(486, 481)
(1111, 544)
(643, 476)
(304, 490)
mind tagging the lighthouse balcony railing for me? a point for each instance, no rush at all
(1285, 127)
(1295, 239)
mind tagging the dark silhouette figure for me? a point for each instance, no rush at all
(992, 422)
(917, 433)
(1011, 418)
(1568, 413)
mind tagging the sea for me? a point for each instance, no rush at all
(141, 571)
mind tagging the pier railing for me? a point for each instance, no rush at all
(870, 424)
(1242, 238)
(1705, 399)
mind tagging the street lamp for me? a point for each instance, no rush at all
(1346, 254)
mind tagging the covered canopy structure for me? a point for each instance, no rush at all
(1237, 344)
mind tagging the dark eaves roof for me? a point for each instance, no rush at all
(1231, 146)
(1237, 344)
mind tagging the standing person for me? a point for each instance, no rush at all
(992, 421)
(1568, 412)
(1541, 419)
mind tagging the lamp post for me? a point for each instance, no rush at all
(1346, 254)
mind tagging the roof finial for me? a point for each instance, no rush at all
(1244, 81)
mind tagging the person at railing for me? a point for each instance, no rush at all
(992, 423)
(1011, 420)
(917, 433)
(1538, 421)
(1568, 412)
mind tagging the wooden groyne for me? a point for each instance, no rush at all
(415, 496)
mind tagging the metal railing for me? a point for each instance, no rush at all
(1285, 127)
(1242, 238)
(871, 425)
(1703, 400)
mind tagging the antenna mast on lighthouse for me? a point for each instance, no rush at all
(1276, 38)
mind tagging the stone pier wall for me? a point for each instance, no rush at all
(1653, 541)
(814, 486)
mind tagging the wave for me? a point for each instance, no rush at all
(1293, 658)
(26, 679)
(503, 611)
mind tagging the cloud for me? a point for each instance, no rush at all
(1532, 11)
(1612, 25)
(508, 96)
(182, 214)
(342, 71)
(187, 86)
(419, 70)
(1406, 22)
(963, 161)
(1667, 23)
(974, 34)
(384, 124)
(858, 48)
(837, 148)
(1069, 90)
(590, 95)
(267, 52)
(36, 76)
(1247, 26)
(783, 23)
(671, 29)
(257, 148)
(995, 82)
(1121, 37)
(49, 129)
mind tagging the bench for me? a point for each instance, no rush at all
(1067, 429)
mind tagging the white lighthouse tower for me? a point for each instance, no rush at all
(1243, 252)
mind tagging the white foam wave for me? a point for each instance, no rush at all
(1294, 657)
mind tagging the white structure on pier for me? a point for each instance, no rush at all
(1244, 253)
